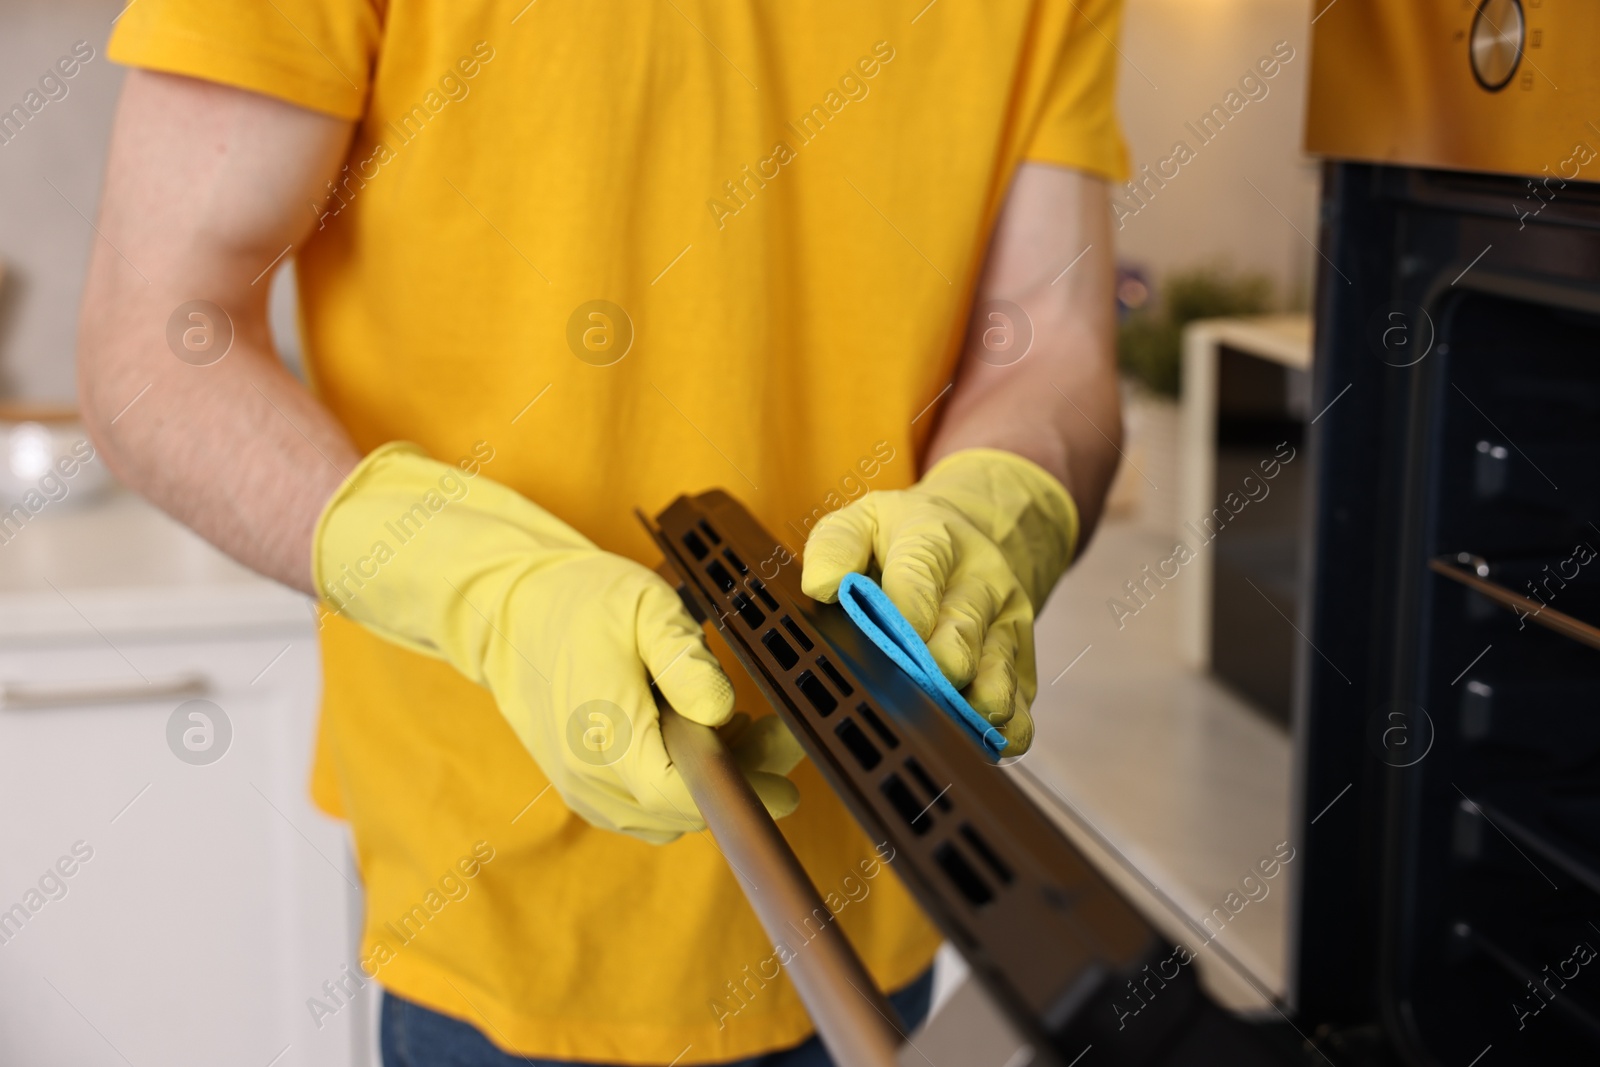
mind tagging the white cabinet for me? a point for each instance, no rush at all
(206, 901)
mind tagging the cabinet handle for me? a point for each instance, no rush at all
(26, 696)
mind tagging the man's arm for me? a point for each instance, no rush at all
(206, 186)
(1059, 405)
(971, 552)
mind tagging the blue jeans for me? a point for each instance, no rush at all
(414, 1036)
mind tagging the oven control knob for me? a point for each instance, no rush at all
(1496, 46)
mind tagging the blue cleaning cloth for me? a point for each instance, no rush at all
(876, 616)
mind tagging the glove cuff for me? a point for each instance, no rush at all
(326, 563)
(1020, 505)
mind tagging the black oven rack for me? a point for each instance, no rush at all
(1553, 824)
(1056, 946)
(1495, 708)
(1576, 1004)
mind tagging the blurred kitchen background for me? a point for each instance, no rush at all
(1163, 746)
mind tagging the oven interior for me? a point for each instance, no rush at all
(1508, 837)
(1448, 726)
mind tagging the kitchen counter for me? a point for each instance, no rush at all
(117, 564)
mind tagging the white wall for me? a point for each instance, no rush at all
(44, 242)
(1180, 58)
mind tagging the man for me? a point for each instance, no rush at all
(584, 258)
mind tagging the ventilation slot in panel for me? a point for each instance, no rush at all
(879, 727)
(720, 575)
(937, 794)
(963, 875)
(976, 842)
(709, 532)
(747, 610)
(760, 589)
(819, 696)
(798, 634)
(781, 651)
(906, 803)
(834, 676)
(865, 752)
(692, 542)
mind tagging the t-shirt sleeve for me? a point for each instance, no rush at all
(1077, 119)
(315, 53)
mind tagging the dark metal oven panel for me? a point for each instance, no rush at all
(1060, 950)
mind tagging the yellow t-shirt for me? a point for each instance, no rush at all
(784, 208)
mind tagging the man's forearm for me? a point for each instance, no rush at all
(233, 447)
(1065, 419)
(239, 451)
(1059, 404)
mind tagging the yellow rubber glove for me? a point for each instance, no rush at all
(565, 636)
(968, 555)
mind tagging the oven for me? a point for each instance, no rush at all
(1448, 690)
